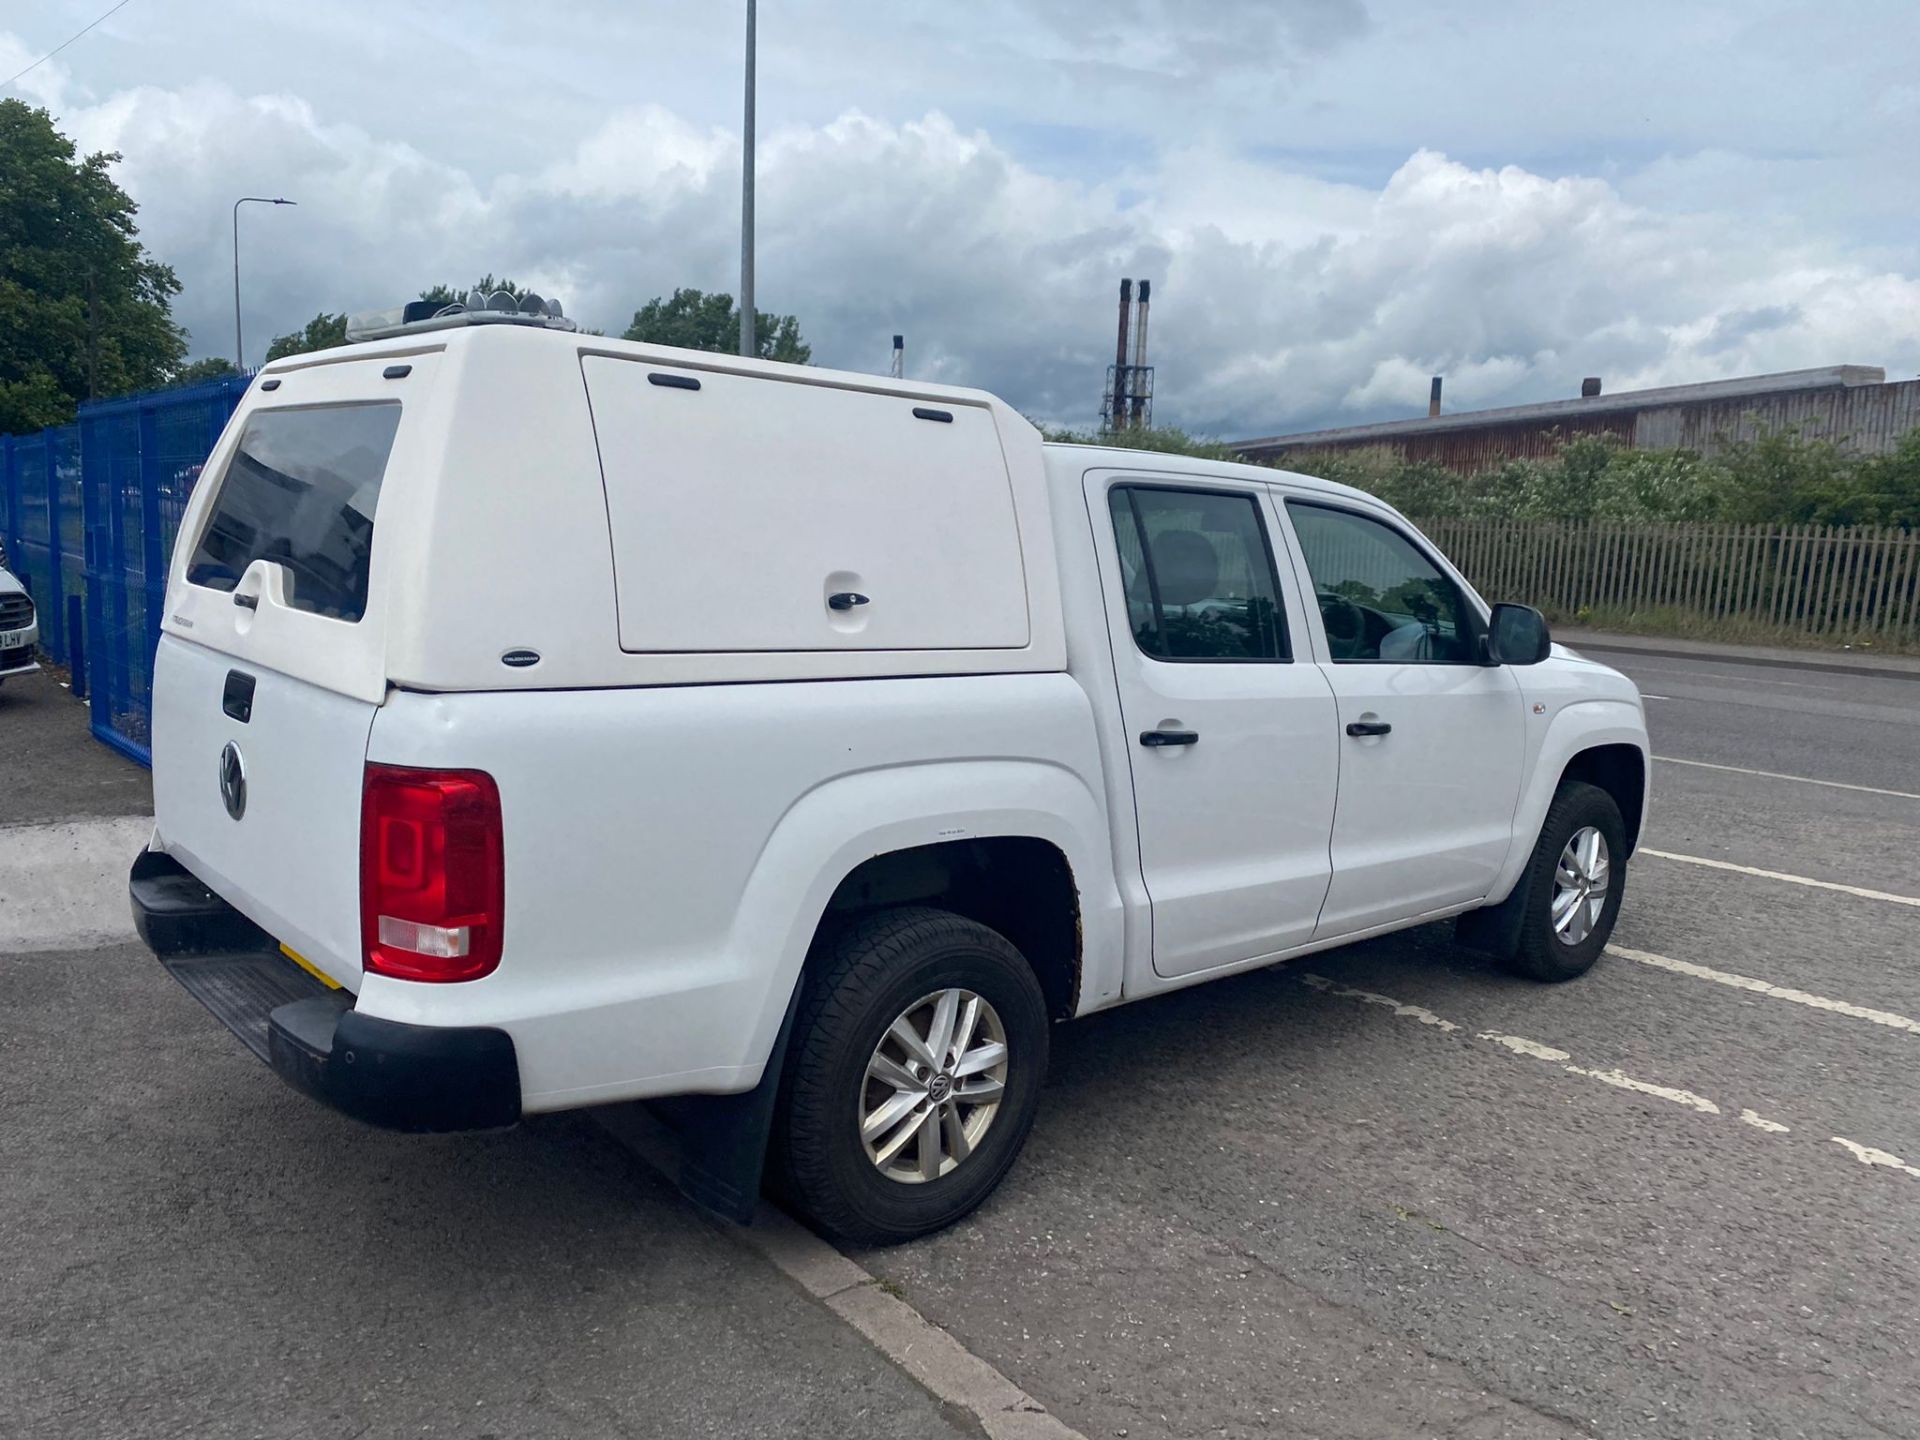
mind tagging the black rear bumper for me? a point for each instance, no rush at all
(421, 1078)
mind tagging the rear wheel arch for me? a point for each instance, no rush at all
(1020, 886)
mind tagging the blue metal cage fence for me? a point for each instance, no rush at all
(88, 514)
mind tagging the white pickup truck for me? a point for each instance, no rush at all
(543, 721)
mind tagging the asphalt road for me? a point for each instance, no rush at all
(1384, 1192)
(1265, 1208)
(51, 767)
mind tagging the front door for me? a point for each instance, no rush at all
(1231, 738)
(1431, 739)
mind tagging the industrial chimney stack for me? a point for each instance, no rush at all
(1137, 380)
(1127, 401)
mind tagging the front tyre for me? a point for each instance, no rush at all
(913, 1076)
(1575, 881)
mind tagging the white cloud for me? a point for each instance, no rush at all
(1292, 287)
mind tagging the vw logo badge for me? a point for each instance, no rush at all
(233, 781)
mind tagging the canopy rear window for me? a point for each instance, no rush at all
(301, 492)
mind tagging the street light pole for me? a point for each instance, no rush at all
(747, 345)
(239, 352)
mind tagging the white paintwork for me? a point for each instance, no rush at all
(670, 851)
(291, 863)
(676, 819)
(1232, 830)
(862, 495)
(492, 532)
(28, 634)
(1425, 815)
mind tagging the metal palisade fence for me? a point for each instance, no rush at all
(1853, 585)
(88, 513)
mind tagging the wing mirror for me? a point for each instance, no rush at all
(1517, 635)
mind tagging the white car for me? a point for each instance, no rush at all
(19, 628)
(543, 720)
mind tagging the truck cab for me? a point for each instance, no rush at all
(544, 721)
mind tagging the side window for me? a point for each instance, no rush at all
(1199, 575)
(1379, 597)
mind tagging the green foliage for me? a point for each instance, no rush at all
(214, 367)
(694, 320)
(1163, 439)
(67, 231)
(323, 332)
(486, 285)
(1782, 478)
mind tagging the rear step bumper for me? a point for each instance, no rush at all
(401, 1077)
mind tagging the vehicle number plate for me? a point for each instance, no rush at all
(11, 638)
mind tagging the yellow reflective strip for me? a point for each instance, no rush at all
(308, 966)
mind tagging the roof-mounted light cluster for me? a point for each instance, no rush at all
(499, 308)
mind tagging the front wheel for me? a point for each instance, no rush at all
(913, 1077)
(1574, 884)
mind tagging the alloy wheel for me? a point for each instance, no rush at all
(933, 1086)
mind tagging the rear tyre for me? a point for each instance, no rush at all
(913, 1076)
(1574, 883)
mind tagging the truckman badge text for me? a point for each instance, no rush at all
(233, 781)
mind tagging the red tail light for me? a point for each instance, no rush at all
(433, 878)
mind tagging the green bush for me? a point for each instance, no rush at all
(1782, 478)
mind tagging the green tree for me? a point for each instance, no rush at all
(322, 332)
(695, 320)
(83, 307)
(486, 285)
(214, 367)
(1162, 439)
(1886, 489)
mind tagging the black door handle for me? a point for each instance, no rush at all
(1369, 727)
(247, 602)
(1154, 739)
(845, 600)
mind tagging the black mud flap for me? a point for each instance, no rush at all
(723, 1138)
(1495, 929)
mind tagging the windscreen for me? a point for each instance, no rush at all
(301, 492)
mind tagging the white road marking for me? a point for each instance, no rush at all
(1764, 987)
(1645, 696)
(1533, 1049)
(1867, 1155)
(1797, 779)
(1858, 890)
(1520, 1045)
(64, 886)
(1411, 1012)
(1659, 1092)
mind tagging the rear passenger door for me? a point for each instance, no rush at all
(1431, 739)
(1229, 735)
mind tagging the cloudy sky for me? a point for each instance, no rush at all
(1335, 199)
